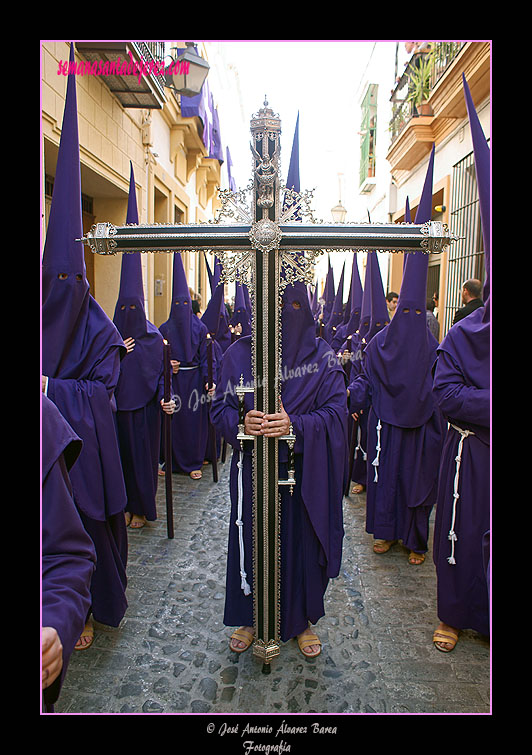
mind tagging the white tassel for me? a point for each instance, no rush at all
(456, 495)
(240, 524)
(359, 447)
(375, 461)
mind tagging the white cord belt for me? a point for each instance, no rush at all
(375, 461)
(359, 447)
(240, 524)
(193, 367)
(456, 495)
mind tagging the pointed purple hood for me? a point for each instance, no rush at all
(400, 358)
(241, 315)
(141, 368)
(297, 326)
(337, 314)
(183, 330)
(328, 293)
(215, 318)
(131, 322)
(355, 299)
(75, 330)
(472, 334)
(379, 316)
(483, 170)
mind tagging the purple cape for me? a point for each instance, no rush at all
(81, 348)
(187, 337)
(404, 425)
(68, 556)
(399, 359)
(139, 388)
(141, 369)
(81, 351)
(462, 390)
(372, 319)
(183, 330)
(313, 394)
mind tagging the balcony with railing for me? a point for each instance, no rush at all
(144, 88)
(428, 98)
(423, 71)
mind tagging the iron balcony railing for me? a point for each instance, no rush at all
(403, 109)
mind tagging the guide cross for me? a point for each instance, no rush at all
(267, 249)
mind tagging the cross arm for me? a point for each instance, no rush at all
(105, 238)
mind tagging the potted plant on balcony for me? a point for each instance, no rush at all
(419, 85)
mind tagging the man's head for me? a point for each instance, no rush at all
(392, 299)
(472, 289)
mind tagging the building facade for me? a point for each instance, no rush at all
(132, 120)
(411, 98)
(429, 108)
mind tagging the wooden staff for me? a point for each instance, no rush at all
(168, 442)
(353, 442)
(212, 431)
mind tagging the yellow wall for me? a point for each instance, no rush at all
(110, 137)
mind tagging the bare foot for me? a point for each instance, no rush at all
(137, 522)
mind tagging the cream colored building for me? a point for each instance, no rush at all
(122, 121)
(395, 148)
(455, 194)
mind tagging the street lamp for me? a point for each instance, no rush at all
(187, 73)
(339, 212)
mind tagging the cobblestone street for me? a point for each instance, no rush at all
(170, 654)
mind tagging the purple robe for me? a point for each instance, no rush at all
(140, 385)
(358, 403)
(405, 426)
(311, 520)
(68, 555)
(187, 337)
(462, 390)
(371, 319)
(81, 352)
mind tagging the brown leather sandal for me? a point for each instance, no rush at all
(88, 632)
(242, 635)
(448, 637)
(383, 546)
(306, 641)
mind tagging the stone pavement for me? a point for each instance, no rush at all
(170, 654)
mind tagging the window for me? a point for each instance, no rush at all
(368, 134)
(466, 256)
